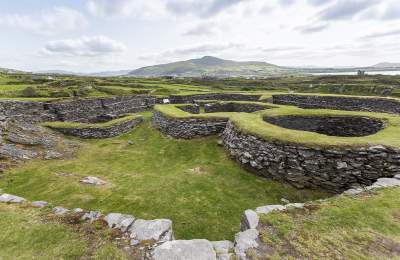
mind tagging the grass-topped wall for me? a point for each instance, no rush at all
(350, 155)
(97, 130)
(180, 121)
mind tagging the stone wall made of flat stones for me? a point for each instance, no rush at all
(331, 169)
(187, 128)
(382, 105)
(233, 107)
(79, 110)
(347, 126)
(98, 133)
(215, 96)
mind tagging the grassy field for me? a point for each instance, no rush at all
(191, 182)
(364, 227)
(26, 233)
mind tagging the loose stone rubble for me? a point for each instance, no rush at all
(159, 232)
(91, 180)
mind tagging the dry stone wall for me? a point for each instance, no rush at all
(383, 105)
(307, 167)
(348, 126)
(88, 110)
(187, 128)
(80, 110)
(232, 107)
(217, 96)
(99, 132)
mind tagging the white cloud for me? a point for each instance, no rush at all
(84, 46)
(50, 22)
(124, 8)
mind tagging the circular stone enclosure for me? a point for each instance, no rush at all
(342, 126)
(233, 107)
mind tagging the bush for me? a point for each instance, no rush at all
(30, 92)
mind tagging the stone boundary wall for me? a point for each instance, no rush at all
(26, 111)
(187, 128)
(192, 109)
(80, 110)
(98, 132)
(217, 96)
(158, 235)
(382, 105)
(305, 167)
(233, 107)
(88, 110)
(348, 126)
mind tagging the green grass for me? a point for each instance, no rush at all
(107, 124)
(25, 234)
(154, 178)
(363, 227)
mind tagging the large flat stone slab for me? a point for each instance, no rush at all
(8, 198)
(159, 230)
(198, 249)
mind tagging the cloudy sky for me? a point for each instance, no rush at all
(97, 35)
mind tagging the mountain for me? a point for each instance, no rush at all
(386, 65)
(5, 70)
(115, 73)
(94, 74)
(213, 67)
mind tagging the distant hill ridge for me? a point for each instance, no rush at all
(211, 66)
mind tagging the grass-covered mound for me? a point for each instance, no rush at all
(193, 183)
(363, 227)
(103, 125)
(27, 233)
(255, 125)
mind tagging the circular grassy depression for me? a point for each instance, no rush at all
(346, 126)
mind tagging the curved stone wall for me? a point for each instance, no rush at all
(383, 105)
(213, 96)
(348, 126)
(80, 110)
(307, 167)
(101, 132)
(187, 128)
(192, 109)
(233, 107)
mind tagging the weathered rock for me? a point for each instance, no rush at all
(249, 220)
(119, 221)
(295, 205)
(159, 230)
(269, 208)
(50, 155)
(8, 198)
(91, 216)
(77, 210)
(198, 249)
(244, 241)
(11, 151)
(353, 191)
(40, 204)
(385, 183)
(223, 249)
(60, 211)
(93, 181)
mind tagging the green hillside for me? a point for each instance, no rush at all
(212, 67)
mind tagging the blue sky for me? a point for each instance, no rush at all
(96, 35)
